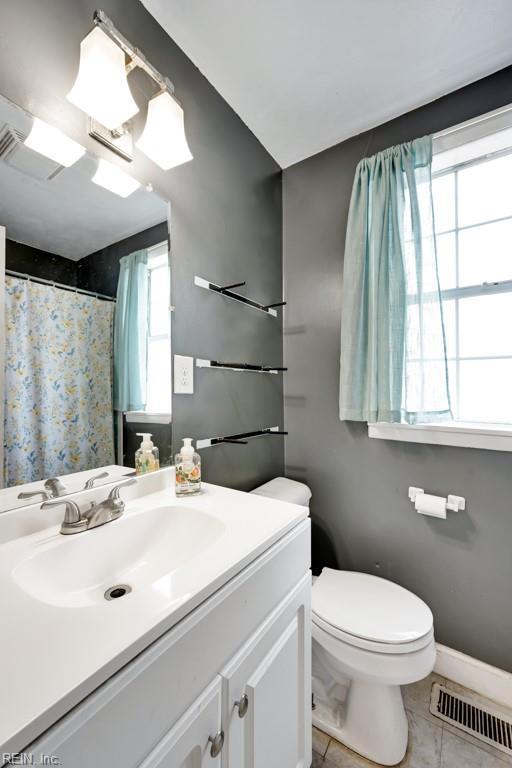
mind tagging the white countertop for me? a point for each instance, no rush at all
(53, 656)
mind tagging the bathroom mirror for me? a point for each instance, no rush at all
(86, 346)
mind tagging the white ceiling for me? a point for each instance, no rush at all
(67, 215)
(306, 74)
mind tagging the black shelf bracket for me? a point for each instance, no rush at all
(200, 363)
(225, 290)
(240, 439)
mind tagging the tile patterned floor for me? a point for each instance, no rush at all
(432, 743)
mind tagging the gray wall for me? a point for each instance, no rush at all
(49, 266)
(226, 218)
(461, 567)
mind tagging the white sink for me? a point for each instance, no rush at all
(137, 550)
(57, 628)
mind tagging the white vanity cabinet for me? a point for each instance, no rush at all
(255, 713)
(174, 705)
(187, 745)
(267, 693)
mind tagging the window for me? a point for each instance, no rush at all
(473, 215)
(472, 182)
(159, 393)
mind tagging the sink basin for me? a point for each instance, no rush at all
(138, 549)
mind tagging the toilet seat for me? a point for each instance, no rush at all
(372, 645)
(370, 612)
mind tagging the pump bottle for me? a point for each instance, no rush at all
(146, 457)
(188, 470)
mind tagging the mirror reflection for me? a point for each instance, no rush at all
(86, 343)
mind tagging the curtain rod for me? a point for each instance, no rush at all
(496, 113)
(64, 287)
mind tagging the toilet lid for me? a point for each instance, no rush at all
(369, 607)
(284, 489)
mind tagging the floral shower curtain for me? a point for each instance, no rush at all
(58, 382)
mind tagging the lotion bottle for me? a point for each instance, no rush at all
(188, 470)
(146, 457)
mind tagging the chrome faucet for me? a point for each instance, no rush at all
(76, 521)
(108, 510)
(73, 521)
(53, 488)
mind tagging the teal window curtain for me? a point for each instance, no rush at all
(130, 333)
(393, 365)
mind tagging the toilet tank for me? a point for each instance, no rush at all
(283, 489)
(323, 553)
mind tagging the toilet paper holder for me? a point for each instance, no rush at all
(453, 503)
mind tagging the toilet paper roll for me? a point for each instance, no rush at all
(435, 506)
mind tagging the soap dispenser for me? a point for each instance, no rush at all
(146, 457)
(188, 470)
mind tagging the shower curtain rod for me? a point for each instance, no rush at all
(64, 287)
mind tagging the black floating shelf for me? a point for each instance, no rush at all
(226, 290)
(240, 439)
(239, 366)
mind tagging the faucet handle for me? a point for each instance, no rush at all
(114, 493)
(54, 487)
(73, 520)
(90, 482)
(30, 495)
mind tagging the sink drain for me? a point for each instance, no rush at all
(119, 590)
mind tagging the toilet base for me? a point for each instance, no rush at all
(371, 722)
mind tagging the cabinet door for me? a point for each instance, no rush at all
(267, 691)
(196, 740)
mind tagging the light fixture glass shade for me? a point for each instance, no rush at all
(101, 88)
(114, 179)
(163, 139)
(52, 143)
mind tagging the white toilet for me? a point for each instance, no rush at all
(370, 636)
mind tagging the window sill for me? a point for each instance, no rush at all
(145, 417)
(492, 437)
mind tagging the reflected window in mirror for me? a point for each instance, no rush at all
(159, 332)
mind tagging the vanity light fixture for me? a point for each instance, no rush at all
(114, 179)
(101, 90)
(163, 139)
(52, 143)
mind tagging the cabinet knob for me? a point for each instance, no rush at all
(217, 743)
(243, 705)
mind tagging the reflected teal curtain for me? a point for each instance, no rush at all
(393, 364)
(58, 382)
(130, 333)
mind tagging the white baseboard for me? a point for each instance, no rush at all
(491, 682)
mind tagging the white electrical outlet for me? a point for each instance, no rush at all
(183, 375)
